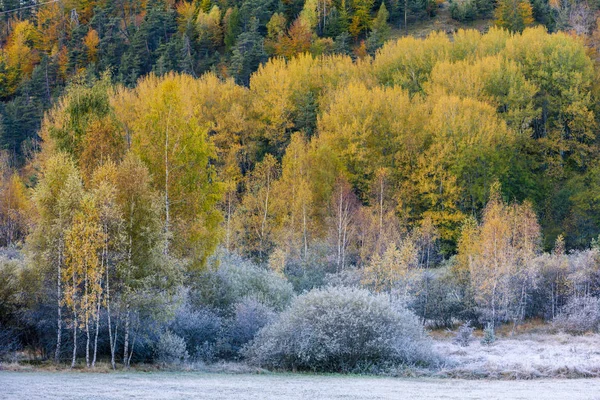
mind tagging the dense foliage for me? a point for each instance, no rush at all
(171, 216)
(341, 329)
(45, 45)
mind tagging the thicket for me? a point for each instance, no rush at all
(456, 175)
(341, 330)
(579, 315)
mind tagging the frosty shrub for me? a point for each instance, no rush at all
(464, 335)
(171, 349)
(489, 335)
(341, 329)
(579, 315)
(234, 278)
(350, 277)
(439, 300)
(206, 352)
(249, 317)
(9, 343)
(200, 328)
(310, 272)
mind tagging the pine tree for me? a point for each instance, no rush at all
(514, 15)
(248, 53)
(380, 30)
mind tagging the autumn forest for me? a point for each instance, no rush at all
(204, 181)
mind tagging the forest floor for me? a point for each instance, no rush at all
(186, 385)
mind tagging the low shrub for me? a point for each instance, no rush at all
(439, 300)
(350, 277)
(579, 315)
(231, 279)
(171, 349)
(341, 329)
(249, 317)
(489, 335)
(200, 328)
(464, 335)
(307, 273)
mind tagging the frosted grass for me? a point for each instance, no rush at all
(164, 385)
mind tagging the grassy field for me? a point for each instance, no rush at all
(523, 356)
(166, 385)
(533, 364)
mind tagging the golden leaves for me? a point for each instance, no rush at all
(91, 42)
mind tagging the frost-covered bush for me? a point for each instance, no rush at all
(439, 299)
(579, 315)
(200, 328)
(249, 317)
(231, 278)
(171, 349)
(489, 335)
(341, 329)
(350, 277)
(464, 335)
(307, 273)
(209, 336)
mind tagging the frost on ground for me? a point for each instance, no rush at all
(512, 368)
(527, 356)
(166, 385)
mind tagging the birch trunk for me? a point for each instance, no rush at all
(110, 334)
(228, 237)
(96, 334)
(58, 298)
(339, 244)
(263, 224)
(167, 199)
(74, 340)
(87, 344)
(126, 340)
(75, 322)
(304, 231)
(87, 323)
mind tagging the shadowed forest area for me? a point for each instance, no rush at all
(278, 185)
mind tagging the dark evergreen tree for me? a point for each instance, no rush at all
(157, 28)
(248, 54)
(233, 28)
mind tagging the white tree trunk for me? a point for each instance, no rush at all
(58, 305)
(74, 340)
(263, 224)
(87, 323)
(304, 231)
(126, 340)
(75, 322)
(228, 237)
(110, 334)
(96, 334)
(167, 199)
